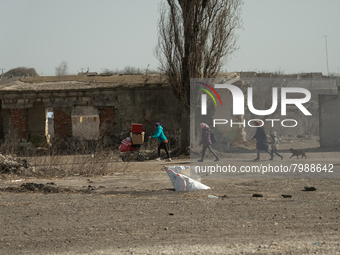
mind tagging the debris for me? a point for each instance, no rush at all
(32, 186)
(171, 214)
(212, 196)
(182, 182)
(257, 195)
(310, 188)
(2, 158)
(14, 165)
(286, 196)
(36, 187)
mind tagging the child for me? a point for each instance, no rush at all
(275, 146)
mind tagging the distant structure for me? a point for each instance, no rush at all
(21, 71)
(249, 75)
(329, 122)
(246, 75)
(91, 73)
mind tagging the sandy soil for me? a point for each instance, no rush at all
(136, 211)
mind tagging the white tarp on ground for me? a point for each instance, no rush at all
(182, 182)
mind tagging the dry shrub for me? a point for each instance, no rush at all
(69, 157)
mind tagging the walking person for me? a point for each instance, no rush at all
(274, 145)
(164, 143)
(206, 142)
(261, 140)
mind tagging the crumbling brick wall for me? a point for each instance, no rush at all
(117, 110)
(106, 118)
(62, 122)
(19, 122)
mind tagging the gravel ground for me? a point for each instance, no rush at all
(136, 211)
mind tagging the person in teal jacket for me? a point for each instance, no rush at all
(164, 144)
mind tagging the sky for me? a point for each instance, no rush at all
(285, 35)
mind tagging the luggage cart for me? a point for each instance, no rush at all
(131, 145)
(134, 154)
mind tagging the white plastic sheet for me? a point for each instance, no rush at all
(182, 182)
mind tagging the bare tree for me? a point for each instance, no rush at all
(131, 70)
(62, 69)
(195, 39)
(146, 74)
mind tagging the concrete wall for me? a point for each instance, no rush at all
(85, 119)
(329, 120)
(147, 107)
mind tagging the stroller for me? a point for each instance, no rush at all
(131, 145)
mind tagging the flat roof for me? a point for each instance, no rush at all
(80, 82)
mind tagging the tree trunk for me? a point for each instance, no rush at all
(185, 130)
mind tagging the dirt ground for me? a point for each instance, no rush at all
(135, 210)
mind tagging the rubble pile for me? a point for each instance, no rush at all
(14, 165)
(37, 187)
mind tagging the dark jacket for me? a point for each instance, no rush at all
(261, 139)
(206, 140)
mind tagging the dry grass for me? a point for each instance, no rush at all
(64, 158)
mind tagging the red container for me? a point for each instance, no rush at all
(137, 128)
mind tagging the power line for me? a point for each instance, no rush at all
(326, 54)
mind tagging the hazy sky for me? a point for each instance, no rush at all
(281, 34)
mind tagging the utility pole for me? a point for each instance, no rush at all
(82, 70)
(2, 70)
(326, 53)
